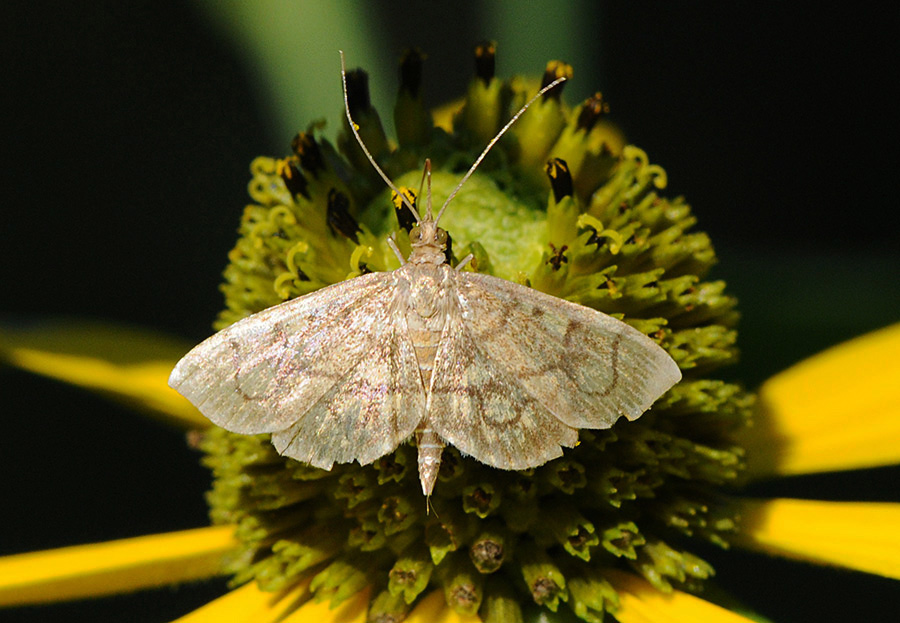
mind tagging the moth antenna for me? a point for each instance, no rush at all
(426, 173)
(353, 128)
(427, 176)
(502, 131)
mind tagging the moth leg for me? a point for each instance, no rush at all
(393, 245)
(465, 261)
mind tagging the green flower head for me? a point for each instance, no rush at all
(562, 205)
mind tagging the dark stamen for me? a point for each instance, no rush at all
(307, 150)
(294, 180)
(560, 178)
(554, 71)
(405, 217)
(411, 71)
(485, 56)
(358, 92)
(339, 217)
(559, 256)
(593, 108)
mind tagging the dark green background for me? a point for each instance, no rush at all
(128, 129)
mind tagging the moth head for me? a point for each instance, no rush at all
(427, 234)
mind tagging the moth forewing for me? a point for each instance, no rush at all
(518, 371)
(370, 410)
(586, 366)
(264, 373)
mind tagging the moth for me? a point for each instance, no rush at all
(503, 372)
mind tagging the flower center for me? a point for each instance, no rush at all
(634, 496)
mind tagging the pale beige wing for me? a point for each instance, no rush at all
(369, 411)
(484, 410)
(585, 368)
(274, 371)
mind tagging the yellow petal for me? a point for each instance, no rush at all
(249, 604)
(114, 567)
(433, 609)
(858, 535)
(640, 602)
(443, 115)
(353, 610)
(837, 410)
(246, 603)
(130, 365)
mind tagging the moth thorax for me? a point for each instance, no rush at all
(425, 293)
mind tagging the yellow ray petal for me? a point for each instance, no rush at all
(858, 535)
(433, 609)
(246, 603)
(249, 604)
(837, 410)
(443, 115)
(353, 610)
(640, 602)
(130, 365)
(114, 567)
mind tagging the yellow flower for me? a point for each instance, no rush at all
(350, 544)
(854, 535)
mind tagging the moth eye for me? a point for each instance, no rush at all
(441, 236)
(415, 233)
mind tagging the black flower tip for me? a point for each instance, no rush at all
(560, 178)
(485, 57)
(294, 180)
(554, 71)
(358, 92)
(307, 150)
(405, 217)
(412, 120)
(339, 218)
(411, 71)
(593, 108)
